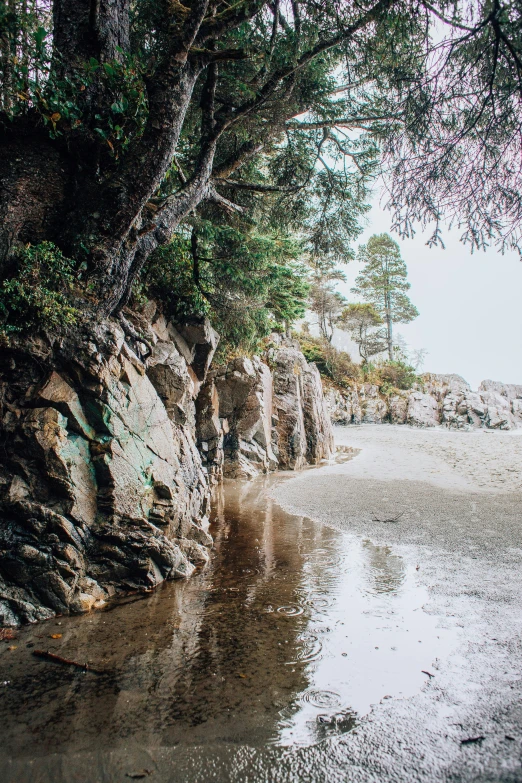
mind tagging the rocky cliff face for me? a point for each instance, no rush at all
(103, 488)
(254, 416)
(440, 400)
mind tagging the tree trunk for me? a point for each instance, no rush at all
(105, 218)
(34, 188)
(389, 327)
(89, 28)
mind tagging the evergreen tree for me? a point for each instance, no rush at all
(362, 322)
(325, 302)
(382, 282)
(120, 121)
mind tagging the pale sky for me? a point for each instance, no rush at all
(470, 306)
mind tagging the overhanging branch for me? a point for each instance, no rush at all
(259, 188)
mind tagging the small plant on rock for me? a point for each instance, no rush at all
(37, 293)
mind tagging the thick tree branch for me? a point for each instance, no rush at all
(228, 206)
(252, 186)
(342, 122)
(281, 19)
(234, 162)
(234, 15)
(187, 31)
(228, 118)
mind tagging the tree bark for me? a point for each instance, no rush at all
(34, 187)
(167, 220)
(389, 327)
(89, 28)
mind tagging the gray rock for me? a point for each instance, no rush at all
(244, 390)
(251, 419)
(339, 405)
(303, 430)
(422, 410)
(511, 391)
(398, 408)
(103, 486)
(373, 408)
(440, 385)
(318, 428)
(439, 399)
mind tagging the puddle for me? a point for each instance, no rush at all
(288, 635)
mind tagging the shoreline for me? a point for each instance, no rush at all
(461, 528)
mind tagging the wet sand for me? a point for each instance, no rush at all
(460, 501)
(304, 651)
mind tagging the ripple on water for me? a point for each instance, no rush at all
(310, 649)
(341, 599)
(319, 603)
(327, 560)
(290, 610)
(325, 700)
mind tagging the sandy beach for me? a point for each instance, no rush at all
(478, 460)
(460, 505)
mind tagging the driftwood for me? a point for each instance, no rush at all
(391, 519)
(472, 740)
(65, 661)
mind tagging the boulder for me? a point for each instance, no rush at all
(438, 399)
(244, 390)
(422, 410)
(290, 435)
(398, 408)
(252, 419)
(318, 428)
(343, 405)
(303, 431)
(511, 391)
(374, 409)
(440, 385)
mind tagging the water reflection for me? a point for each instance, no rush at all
(385, 572)
(291, 631)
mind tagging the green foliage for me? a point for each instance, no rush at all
(389, 376)
(32, 81)
(37, 294)
(335, 365)
(394, 375)
(247, 282)
(382, 282)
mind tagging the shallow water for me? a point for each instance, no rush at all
(291, 632)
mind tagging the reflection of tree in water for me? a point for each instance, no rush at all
(248, 646)
(200, 660)
(385, 572)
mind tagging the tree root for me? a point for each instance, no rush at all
(131, 332)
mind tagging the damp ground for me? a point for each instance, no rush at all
(361, 649)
